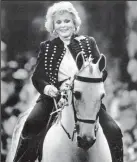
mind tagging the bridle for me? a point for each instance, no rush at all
(76, 119)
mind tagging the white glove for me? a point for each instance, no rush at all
(50, 90)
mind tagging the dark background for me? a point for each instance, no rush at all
(113, 25)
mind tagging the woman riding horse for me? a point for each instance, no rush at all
(56, 63)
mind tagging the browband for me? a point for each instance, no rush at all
(89, 80)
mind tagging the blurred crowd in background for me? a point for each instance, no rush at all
(114, 26)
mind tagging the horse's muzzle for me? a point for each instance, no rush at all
(85, 143)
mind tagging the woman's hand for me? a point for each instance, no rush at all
(51, 91)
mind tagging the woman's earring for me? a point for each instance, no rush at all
(55, 33)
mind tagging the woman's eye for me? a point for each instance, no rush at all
(58, 22)
(67, 21)
(77, 95)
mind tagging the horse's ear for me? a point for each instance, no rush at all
(80, 61)
(102, 62)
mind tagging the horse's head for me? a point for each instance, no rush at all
(88, 90)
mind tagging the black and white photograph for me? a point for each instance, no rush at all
(68, 81)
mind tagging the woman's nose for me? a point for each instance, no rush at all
(62, 24)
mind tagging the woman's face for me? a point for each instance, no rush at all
(64, 25)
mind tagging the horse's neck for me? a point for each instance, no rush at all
(67, 119)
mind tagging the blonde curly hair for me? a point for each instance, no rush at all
(61, 7)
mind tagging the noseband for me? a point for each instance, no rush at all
(87, 80)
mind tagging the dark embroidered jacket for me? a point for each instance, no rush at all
(51, 54)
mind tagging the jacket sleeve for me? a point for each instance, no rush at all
(96, 55)
(39, 77)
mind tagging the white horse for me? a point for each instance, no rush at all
(77, 135)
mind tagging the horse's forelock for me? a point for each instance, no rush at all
(90, 68)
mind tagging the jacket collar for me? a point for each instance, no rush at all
(60, 43)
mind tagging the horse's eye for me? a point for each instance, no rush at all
(77, 95)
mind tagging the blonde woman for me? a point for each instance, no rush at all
(56, 63)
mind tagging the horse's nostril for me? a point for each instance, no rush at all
(85, 139)
(88, 139)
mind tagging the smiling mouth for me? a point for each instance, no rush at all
(64, 30)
